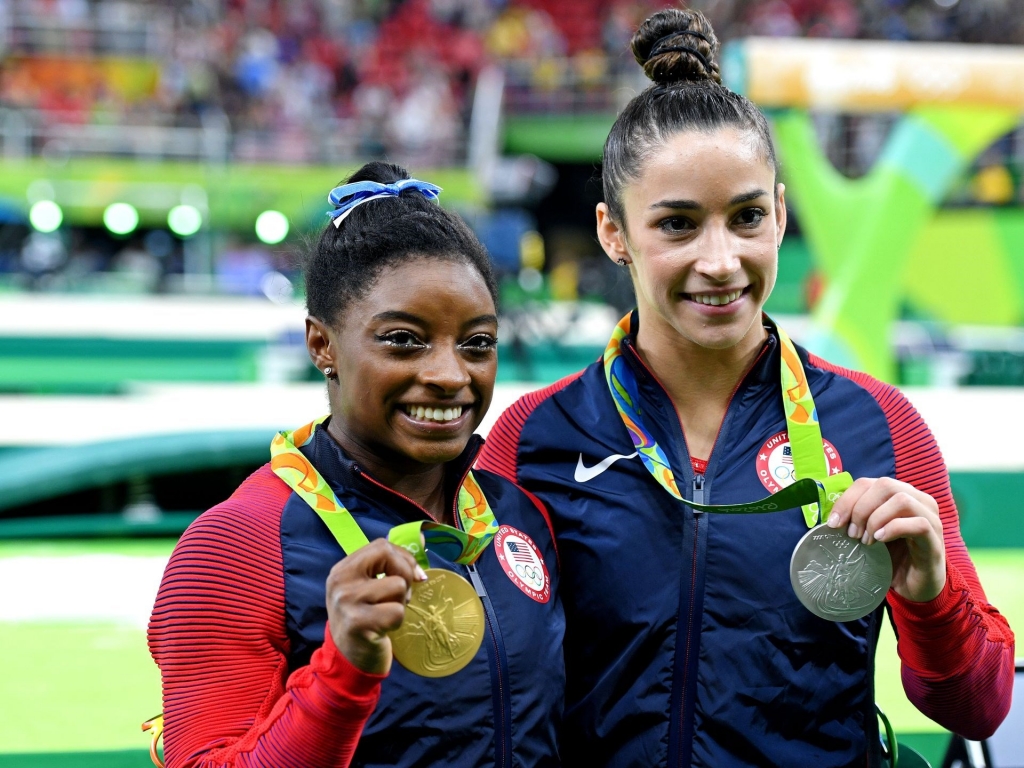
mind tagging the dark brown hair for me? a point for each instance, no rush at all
(679, 52)
(346, 261)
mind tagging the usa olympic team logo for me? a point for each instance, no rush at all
(522, 563)
(775, 462)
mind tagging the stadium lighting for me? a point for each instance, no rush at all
(271, 227)
(184, 220)
(45, 216)
(121, 218)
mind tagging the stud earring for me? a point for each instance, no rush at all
(329, 372)
(622, 262)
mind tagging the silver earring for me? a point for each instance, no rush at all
(328, 371)
(622, 262)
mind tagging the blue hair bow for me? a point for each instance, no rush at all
(348, 197)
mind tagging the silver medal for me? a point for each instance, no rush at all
(838, 578)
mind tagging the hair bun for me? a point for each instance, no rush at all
(380, 172)
(677, 46)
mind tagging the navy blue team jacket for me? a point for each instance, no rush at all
(504, 708)
(685, 644)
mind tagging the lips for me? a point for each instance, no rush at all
(717, 299)
(433, 413)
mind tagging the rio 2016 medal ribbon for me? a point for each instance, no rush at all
(834, 576)
(838, 578)
(444, 621)
(443, 626)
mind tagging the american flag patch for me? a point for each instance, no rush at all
(519, 554)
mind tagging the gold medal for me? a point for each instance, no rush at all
(443, 626)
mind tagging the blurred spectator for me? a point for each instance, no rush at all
(285, 69)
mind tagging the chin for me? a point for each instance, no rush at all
(718, 336)
(437, 453)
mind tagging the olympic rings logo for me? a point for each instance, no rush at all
(529, 573)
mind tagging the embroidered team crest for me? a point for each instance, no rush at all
(522, 563)
(775, 462)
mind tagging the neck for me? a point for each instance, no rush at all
(699, 381)
(422, 483)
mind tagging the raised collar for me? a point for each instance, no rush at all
(760, 373)
(344, 473)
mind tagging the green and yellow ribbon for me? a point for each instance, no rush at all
(816, 491)
(459, 545)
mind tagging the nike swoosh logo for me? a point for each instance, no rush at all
(584, 473)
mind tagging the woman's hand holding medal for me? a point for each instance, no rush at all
(362, 608)
(907, 521)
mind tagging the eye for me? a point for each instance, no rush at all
(750, 217)
(480, 342)
(675, 225)
(401, 340)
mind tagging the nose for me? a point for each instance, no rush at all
(719, 255)
(445, 370)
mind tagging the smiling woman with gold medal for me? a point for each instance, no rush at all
(732, 511)
(369, 598)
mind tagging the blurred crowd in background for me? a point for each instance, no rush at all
(336, 82)
(393, 75)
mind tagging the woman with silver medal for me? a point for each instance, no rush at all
(718, 613)
(369, 538)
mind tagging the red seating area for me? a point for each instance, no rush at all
(579, 22)
(412, 36)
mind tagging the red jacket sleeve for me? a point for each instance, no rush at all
(956, 650)
(500, 453)
(218, 635)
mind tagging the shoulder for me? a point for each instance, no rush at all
(913, 444)
(500, 452)
(894, 404)
(252, 513)
(226, 573)
(240, 537)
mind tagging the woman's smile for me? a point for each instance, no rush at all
(437, 414)
(719, 301)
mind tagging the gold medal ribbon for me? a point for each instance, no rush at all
(463, 546)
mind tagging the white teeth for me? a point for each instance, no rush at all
(716, 300)
(426, 413)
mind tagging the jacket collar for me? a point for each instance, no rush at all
(764, 371)
(343, 473)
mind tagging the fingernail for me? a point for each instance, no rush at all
(833, 520)
(865, 538)
(879, 534)
(408, 594)
(853, 531)
(420, 574)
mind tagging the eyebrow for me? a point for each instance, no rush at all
(396, 314)
(693, 205)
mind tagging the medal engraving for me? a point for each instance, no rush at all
(443, 626)
(838, 578)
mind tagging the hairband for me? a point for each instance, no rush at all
(693, 51)
(657, 51)
(348, 197)
(670, 35)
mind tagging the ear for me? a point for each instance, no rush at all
(318, 344)
(780, 213)
(611, 236)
